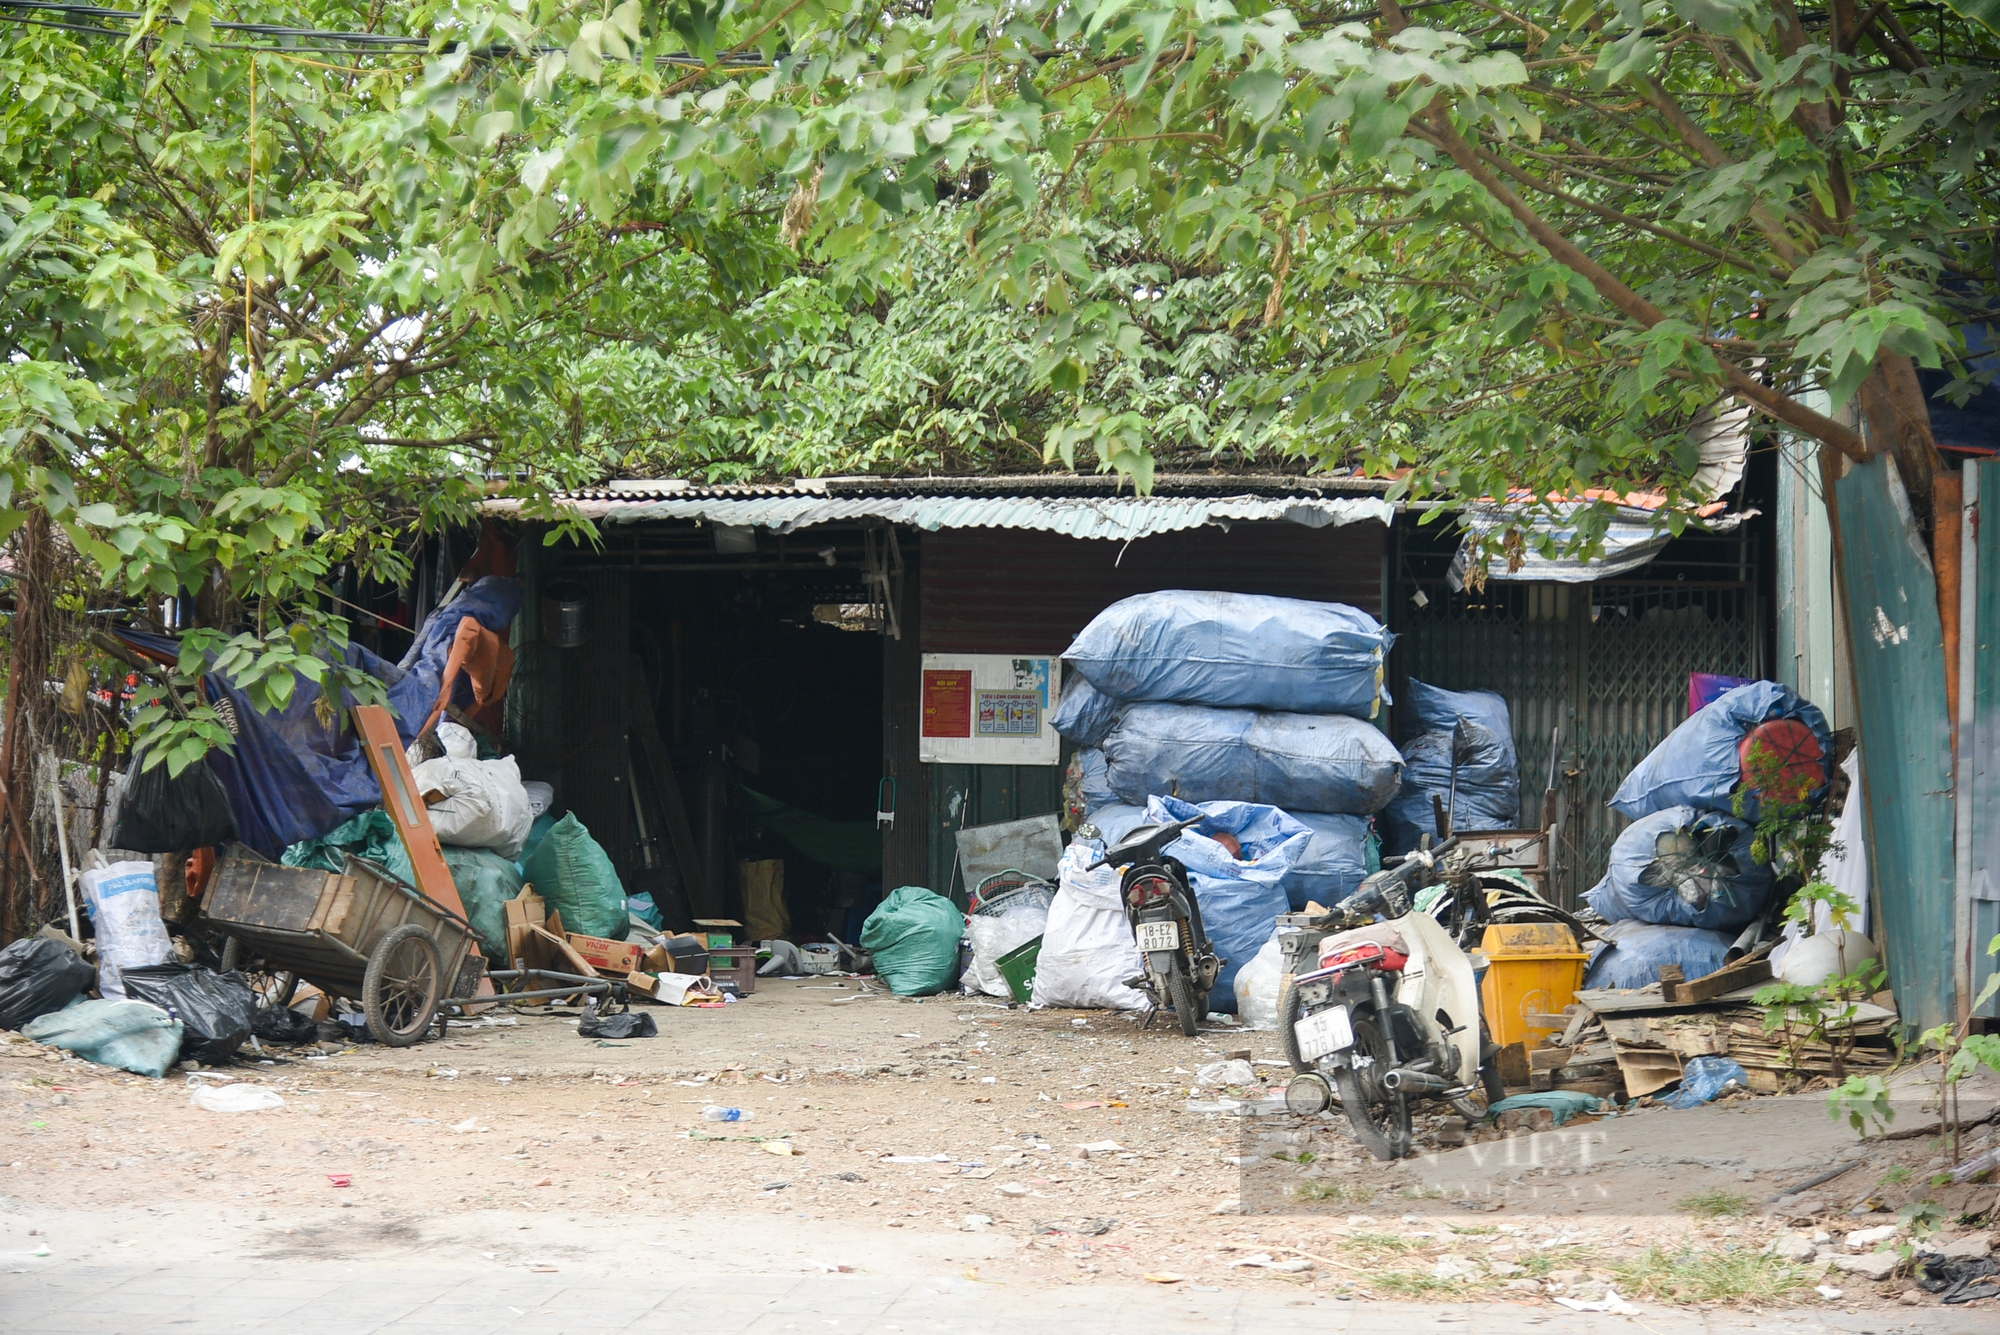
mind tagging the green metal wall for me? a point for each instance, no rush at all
(1905, 735)
(1979, 763)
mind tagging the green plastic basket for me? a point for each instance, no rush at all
(1017, 966)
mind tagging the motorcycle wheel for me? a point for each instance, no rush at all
(1491, 1091)
(1180, 992)
(1288, 1033)
(1381, 1120)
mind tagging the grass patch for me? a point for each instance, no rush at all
(1540, 1265)
(1415, 1284)
(1473, 1230)
(1697, 1276)
(1709, 1204)
(1333, 1193)
(1384, 1244)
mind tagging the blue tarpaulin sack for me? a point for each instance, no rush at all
(292, 776)
(1296, 762)
(1488, 792)
(1236, 650)
(1684, 868)
(1241, 895)
(1334, 863)
(1435, 709)
(1093, 779)
(1698, 764)
(1084, 713)
(1636, 950)
(1114, 821)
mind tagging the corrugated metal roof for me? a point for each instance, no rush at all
(1116, 518)
(1018, 484)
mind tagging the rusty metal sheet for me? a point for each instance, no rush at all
(1905, 734)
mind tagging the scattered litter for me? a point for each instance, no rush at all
(976, 1223)
(830, 1267)
(1220, 1075)
(469, 1125)
(42, 1250)
(1828, 1292)
(235, 1098)
(775, 1186)
(1101, 1147)
(781, 1148)
(915, 1158)
(441, 1073)
(542, 1269)
(341, 1179)
(1610, 1303)
(1079, 1023)
(1164, 1277)
(1012, 1189)
(713, 1113)
(1264, 1261)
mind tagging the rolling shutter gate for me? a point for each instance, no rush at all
(1002, 591)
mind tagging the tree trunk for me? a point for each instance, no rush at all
(1898, 421)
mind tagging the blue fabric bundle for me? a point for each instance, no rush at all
(1241, 895)
(1684, 868)
(1297, 762)
(1697, 765)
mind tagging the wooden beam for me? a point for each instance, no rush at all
(703, 898)
(412, 819)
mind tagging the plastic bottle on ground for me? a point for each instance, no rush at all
(715, 1113)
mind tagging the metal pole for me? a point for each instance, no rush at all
(62, 846)
(1967, 768)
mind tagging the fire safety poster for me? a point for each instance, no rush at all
(989, 709)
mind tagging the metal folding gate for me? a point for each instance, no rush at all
(1607, 662)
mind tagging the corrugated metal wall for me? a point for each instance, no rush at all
(1011, 591)
(1905, 734)
(987, 591)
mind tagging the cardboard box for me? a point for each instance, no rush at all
(606, 955)
(642, 983)
(524, 911)
(678, 954)
(718, 933)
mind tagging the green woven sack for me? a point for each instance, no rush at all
(913, 935)
(573, 873)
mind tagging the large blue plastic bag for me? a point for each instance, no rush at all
(1435, 709)
(1334, 864)
(1240, 896)
(1297, 762)
(1092, 777)
(1638, 949)
(1237, 650)
(1115, 821)
(1684, 868)
(1084, 713)
(134, 1036)
(1488, 792)
(1697, 765)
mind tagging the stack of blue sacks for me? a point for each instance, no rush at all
(1253, 710)
(1682, 883)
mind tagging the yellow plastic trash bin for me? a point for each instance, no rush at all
(1533, 968)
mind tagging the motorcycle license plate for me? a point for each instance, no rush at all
(1159, 936)
(1324, 1031)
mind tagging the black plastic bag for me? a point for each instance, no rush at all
(282, 1024)
(628, 1024)
(160, 813)
(218, 1011)
(1962, 1280)
(37, 976)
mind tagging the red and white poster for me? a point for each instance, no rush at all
(990, 709)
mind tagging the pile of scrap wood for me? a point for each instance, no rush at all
(1581, 1057)
(1655, 1030)
(669, 970)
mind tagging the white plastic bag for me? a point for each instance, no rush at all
(234, 1098)
(1087, 947)
(1021, 919)
(484, 804)
(124, 903)
(1257, 985)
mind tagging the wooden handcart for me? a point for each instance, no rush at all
(359, 932)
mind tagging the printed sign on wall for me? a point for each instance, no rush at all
(989, 709)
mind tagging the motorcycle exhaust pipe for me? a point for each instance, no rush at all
(1414, 1082)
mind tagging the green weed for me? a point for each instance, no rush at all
(1709, 1204)
(1333, 1193)
(1698, 1276)
(1415, 1284)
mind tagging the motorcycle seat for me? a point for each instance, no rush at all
(1380, 944)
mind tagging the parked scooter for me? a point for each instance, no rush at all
(1166, 922)
(1391, 1016)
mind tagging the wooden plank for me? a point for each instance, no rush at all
(703, 898)
(1743, 973)
(400, 799)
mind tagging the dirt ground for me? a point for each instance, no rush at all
(902, 1137)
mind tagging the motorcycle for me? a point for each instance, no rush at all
(1166, 922)
(1391, 1015)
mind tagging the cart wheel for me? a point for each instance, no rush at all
(272, 988)
(403, 985)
